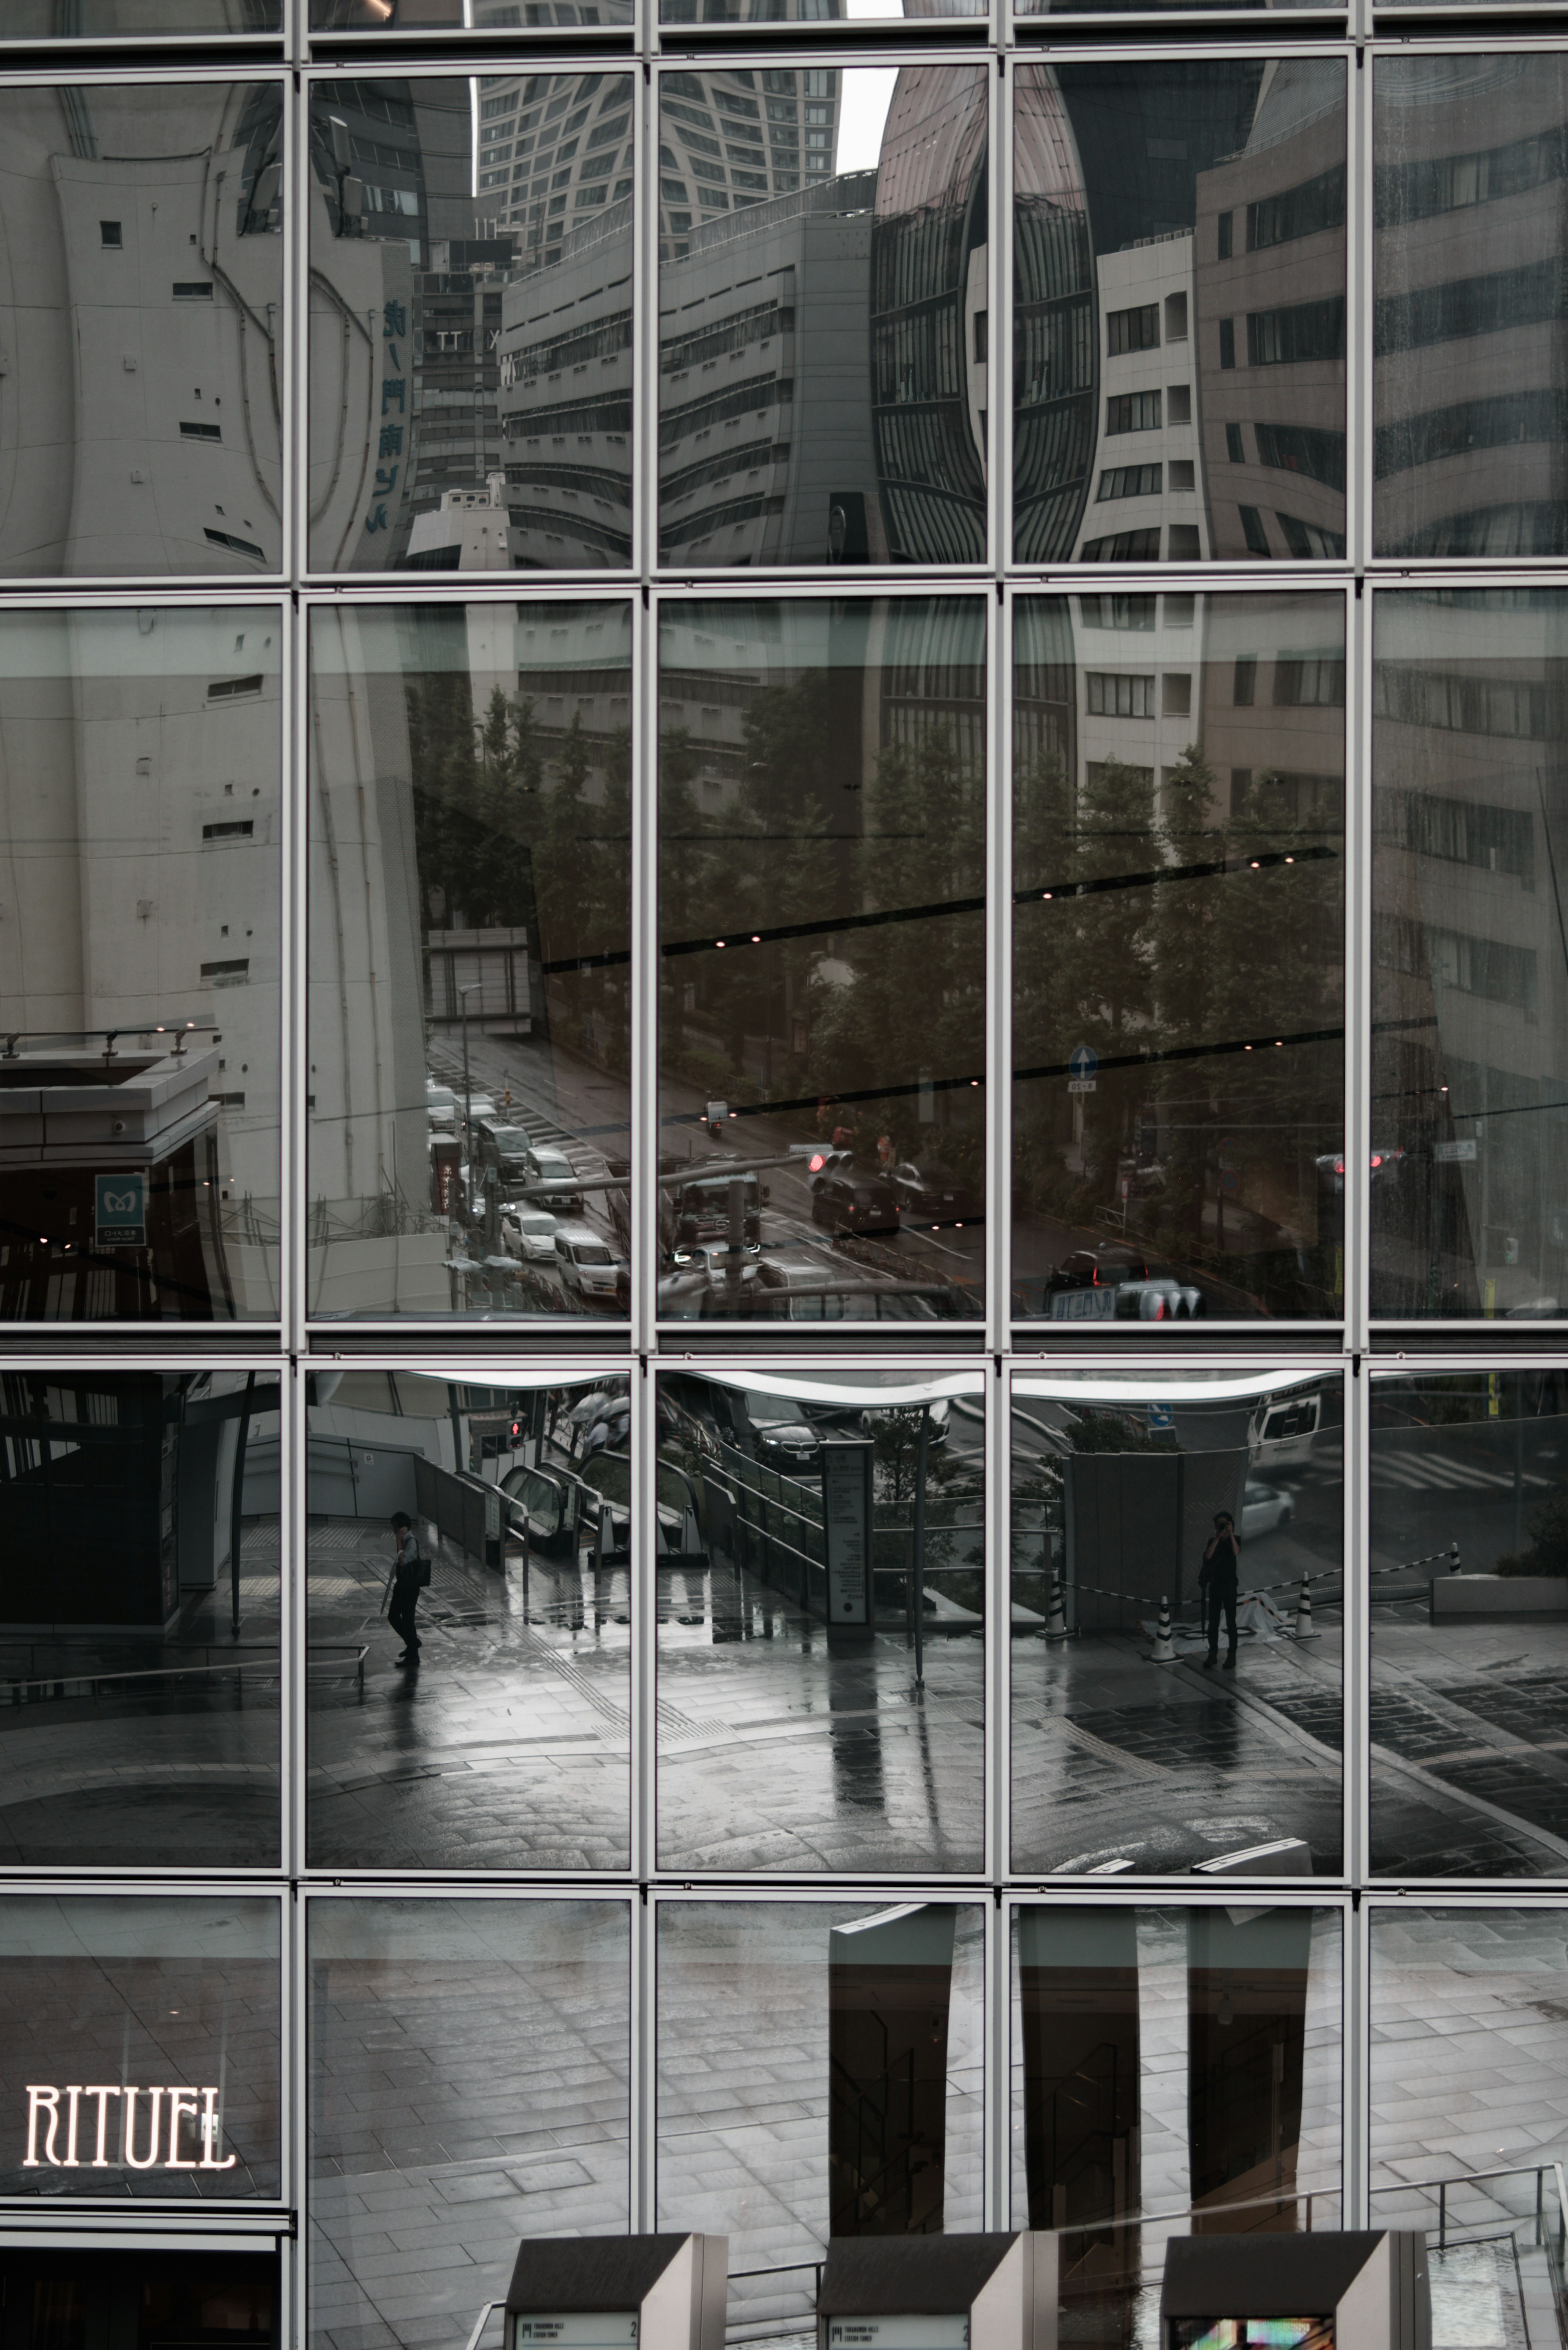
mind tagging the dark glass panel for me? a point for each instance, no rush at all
(475, 1718)
(465, 15)
(822, 1035)
(1117, 1555)
(471, 323)
(1471, 153)
(820, 1566)
(1470, 1003)
(139, 1710)
(141, 944)
(1178, 869)
(1176, 2072)
(470, 2088)
(1469, 1624)
(141, 307)
(132, 20)
(471, 853)
(819, 2076)
(779, 262)
(1179, 273)
(174, 2004)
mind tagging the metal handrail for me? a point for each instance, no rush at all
(64, 1685)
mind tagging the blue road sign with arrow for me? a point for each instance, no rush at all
(1082, 1062)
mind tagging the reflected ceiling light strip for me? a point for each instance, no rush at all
(1035, 894)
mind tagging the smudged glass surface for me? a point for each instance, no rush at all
(141, 314)
(819, 2076)
(1469, 979)
(472, 2061)
(1180, 284)
(177, 1995)
(1179, 2062)
(779, 263)
(139, 1702)
(505, 1744)
(1231, 1743)
(471, 330)
(821, 1595)
(1179, 1004)
(140, 952)
(1469, 1600)
(132, 20)
(822, 1032)
(470, 905)
(1470, 153)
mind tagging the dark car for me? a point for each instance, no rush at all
(847, 1198)
(503, 1150)
(930, 1193)
(1112, 1283)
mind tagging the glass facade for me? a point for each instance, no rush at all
(748, 1316)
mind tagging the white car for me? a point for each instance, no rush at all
(441, 1107)
(528, 1232)
(585, 1262)
(1265, 1507)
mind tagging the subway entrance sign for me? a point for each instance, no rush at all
(120, 1210)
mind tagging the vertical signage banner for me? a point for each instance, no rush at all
(847, 1521)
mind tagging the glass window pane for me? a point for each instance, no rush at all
(138, 1707)
(1469, 1624)
(467, 413)
(829, 1537)
(474, 1716)
(1467, 2003)
(1150, 1517)
(822, 939)
(140, 315)
(1468, 331)
(1179, 380)
(174, 2003)
(470, 2088)
(1178, 869)
(1470, 1013)
(469, 960)
(819, 2074)
(1175, 2072)
(140, 929)
(778, 261)
(456, 16)
(130, 20)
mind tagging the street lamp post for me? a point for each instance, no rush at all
(464, 994)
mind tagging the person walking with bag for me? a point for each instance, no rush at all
(409, 1578)
(1218, 1579)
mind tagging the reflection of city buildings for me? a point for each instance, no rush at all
(1148, 497)
(1139, 683)
(140, 426)
(1471, 414)
(1056, 336)
(139, 966)
(1470, 971)
(928, 316)
(1270, 323)
(403, 875)
(765, 428)
(404, 392)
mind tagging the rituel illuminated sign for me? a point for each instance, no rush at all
(174, 2119)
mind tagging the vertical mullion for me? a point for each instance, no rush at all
(1356, 1635)
(643, 1153)
(998, 1618)
(1357, 2126)
(297, 2109)
(644, 2066)
(1357, 967)
(293, 1626)
(996, 2101)
(643, 1573)
(292, 1137)
(998, 975)
(1358, 309)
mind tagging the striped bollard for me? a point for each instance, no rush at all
(1164, 1651)
(1302, 1627)
(1056, 1621)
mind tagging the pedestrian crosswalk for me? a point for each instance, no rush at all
(1441, 1473)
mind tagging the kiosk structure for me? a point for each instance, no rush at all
(619, 2292)
(1361, 2290)
(939, 2292)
